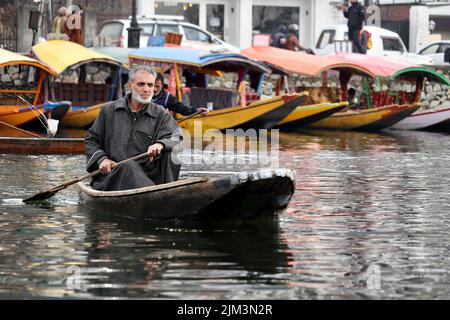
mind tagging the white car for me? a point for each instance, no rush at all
(437, 50)
(386, 43)
(114, 33)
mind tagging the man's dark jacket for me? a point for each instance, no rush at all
(117, 134)
(355, 15)
(170, 102)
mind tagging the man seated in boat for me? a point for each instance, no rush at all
(130, 126)
(170, 102)
(353, 102)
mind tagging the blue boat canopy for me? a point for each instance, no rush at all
(228, 62)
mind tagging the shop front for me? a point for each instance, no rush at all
(237, 21)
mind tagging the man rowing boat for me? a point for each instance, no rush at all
(128, 127)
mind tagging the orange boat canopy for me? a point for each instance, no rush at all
(287, 61)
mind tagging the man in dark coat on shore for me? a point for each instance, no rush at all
(279, 39)
(356, 16)
(128, 127)
(170, 102)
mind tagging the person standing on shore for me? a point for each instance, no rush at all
(356, 16)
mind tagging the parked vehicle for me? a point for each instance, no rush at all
(439, 51)
(115, 33)
(383, 42)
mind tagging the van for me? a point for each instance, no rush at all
(114, 33)
(439, 51)
(384, 42)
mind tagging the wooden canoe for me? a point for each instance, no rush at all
(243, 196)
(24, 145)
(368, 119)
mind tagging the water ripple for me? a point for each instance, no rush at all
(368, 220)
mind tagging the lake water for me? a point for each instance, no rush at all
(369, 220)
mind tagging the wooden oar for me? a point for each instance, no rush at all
(50, 193)
(189, 116)
(21, 130)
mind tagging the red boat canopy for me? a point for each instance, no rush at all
(378, 66)
(287, 61)
(389, 68)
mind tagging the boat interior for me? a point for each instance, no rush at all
(88, 84)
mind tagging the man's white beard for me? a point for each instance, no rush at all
(138, 98)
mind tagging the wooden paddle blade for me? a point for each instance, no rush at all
(40, 196)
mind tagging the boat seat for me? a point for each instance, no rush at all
(82, 94)
(199, 97)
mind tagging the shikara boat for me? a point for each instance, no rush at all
(85, 77)
(243, 196)
(24, 76)
(378, 107)
(227, 111)
(286, 63)
(384, 101)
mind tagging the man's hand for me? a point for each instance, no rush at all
(105, 166)
(155, 150)
(203, 110)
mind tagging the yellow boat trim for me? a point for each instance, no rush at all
(233, 116)
(302, 112)
(353, 119)
(81, 118)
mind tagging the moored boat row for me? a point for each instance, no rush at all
(71, 80)
(324, 103)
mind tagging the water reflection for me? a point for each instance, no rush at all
(369, 219)
(175, 261)
(368, 206)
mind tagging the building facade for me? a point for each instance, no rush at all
(16, 35)
(418, 22)
(235, 21)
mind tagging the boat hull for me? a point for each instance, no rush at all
(258, 195)
(304, 115)
(424, 120)
(370, 119)
(17, 116)
(263, 114)
(81, 117)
